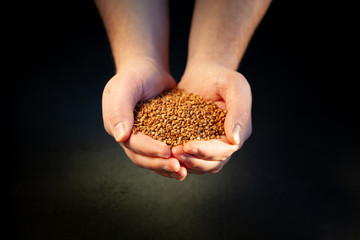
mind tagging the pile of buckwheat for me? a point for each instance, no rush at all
(176, 117)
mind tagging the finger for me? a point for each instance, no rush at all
(178, 150)
(193, 171)
(145, 145)
(119, 101)
(180, 175)
(155, 164)
(202, 166)
(215, 149)
(238, 103)
(196, 164)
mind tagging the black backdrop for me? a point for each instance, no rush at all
(297, 176)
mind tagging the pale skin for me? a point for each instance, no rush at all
(138, 31)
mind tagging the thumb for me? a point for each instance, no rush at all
(118, 103)
(238, 105)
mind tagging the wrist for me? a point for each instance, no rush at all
(198, 73)
(194, 66)
(132, 61)
(206, 71)
(229, 61)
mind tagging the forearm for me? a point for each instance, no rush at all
(222, 29)
(136, 29)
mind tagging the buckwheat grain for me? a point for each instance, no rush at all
(176, 117)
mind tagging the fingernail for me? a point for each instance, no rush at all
(119, 131)
(236, 133)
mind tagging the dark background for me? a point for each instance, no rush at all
(297, 177)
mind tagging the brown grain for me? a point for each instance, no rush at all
(176, 117)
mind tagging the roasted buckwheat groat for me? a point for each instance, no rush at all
(176, 117)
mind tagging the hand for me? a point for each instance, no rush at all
(138, 80)
(231, 92)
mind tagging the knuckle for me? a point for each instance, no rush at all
(191, 164)
(201, 153)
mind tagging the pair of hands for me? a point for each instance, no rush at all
(141, 79)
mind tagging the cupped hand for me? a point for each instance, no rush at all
(231, 92)
(138, 80)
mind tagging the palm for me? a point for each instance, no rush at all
(134, 82)
(231, 92)
(207, 83)
(146, 80)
